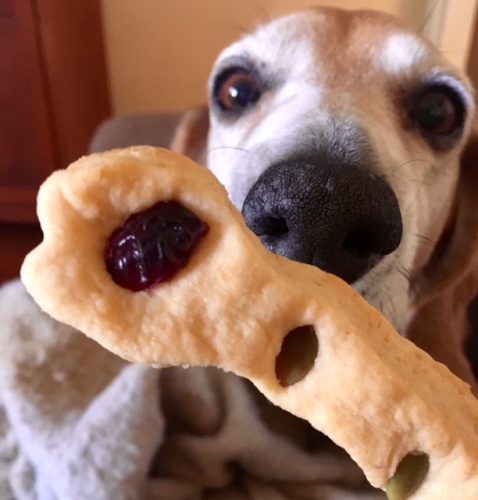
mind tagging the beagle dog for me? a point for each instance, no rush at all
(346, 140)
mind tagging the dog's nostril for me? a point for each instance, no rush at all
(272, 226)
(360, 242)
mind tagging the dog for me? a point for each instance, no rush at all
(348, 142)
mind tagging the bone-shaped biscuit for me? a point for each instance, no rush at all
(306, 339)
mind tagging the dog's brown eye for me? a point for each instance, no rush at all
(438, 112)
(236, 90)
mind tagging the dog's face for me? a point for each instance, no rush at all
(339, 135)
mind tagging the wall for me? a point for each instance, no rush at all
(160, 51)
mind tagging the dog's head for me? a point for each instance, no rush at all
(339, 135)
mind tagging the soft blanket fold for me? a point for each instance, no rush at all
(77, 422)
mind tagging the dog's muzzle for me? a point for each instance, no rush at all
(338, 217)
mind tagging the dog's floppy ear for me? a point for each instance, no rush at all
(190, 137)
(450, 280)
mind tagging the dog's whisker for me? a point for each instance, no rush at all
(414, 160)
(392, 311)
(259, 13)
(426, 239)
(385, 304)
(239, 29)
(398, 169)
(430, 12)
(406, 273)
(397, 172)
(429, 243)
(420, 181)
(234, 148)
(401, 270)
(262, 13)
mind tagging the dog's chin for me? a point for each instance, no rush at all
(387, 290)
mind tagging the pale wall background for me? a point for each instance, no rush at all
(160, 52)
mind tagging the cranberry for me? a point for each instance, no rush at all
(153, 245)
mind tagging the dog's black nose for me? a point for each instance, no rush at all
(338, 217)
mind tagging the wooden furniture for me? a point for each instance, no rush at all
(16, 240)
(53, 93)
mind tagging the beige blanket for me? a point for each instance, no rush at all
(77, 422)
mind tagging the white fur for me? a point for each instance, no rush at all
(400, 53)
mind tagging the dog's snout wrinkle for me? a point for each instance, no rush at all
(333, 215)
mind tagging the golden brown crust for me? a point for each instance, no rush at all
(371, 391)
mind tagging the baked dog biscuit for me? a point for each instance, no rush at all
(144, 253)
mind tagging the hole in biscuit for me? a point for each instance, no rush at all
(408, 476)
(297, 355)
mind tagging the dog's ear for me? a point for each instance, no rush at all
(450, 280)
(190, 137)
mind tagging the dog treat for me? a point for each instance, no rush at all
(144, 253)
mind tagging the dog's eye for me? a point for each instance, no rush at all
(236, 89)
(438, 112)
